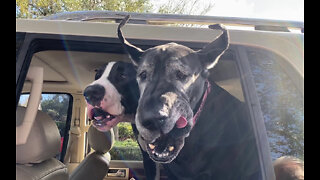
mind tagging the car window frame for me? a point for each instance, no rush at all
(68, 121)
(36, 42)
(255, 112)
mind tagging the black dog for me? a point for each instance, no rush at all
(196, 130)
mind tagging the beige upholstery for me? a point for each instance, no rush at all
(35, 159)
(47, 170)
(96, 165)
(99, 141)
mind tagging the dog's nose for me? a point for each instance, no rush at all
(151, 117)
(94, 94)
(153, 122)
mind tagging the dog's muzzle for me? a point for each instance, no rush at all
(166, 146)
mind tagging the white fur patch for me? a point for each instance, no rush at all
(169, 99)
(112, 99)
(191, 81)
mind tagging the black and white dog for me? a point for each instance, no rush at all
(196, 130)
(113, 96)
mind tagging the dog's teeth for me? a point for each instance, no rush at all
(151, 146)
(171, 148)
(98, 118)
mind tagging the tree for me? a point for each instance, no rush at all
(39, 8)
(199, 7)
(56, 106)
(111, 5)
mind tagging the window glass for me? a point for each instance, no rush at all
(56, 106)
(281, 103)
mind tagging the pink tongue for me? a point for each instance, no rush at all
(182, 122)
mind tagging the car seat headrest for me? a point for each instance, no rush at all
(100, 141)
(42, 143)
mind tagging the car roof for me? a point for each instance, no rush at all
(59, 64)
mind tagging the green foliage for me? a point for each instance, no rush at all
(126, 153)
(38, 8)
(111, 5)
(126, 143)
(127, 148)
(125, 131)
(56, 106)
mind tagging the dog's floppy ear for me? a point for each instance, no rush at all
(132, 50)
(210, 54)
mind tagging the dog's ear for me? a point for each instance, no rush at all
(133, 51)
(210, 54)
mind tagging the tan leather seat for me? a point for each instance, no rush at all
(96, 165)
(35, 159)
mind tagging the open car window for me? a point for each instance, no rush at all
(57, 107)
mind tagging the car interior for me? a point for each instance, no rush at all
(72, 71)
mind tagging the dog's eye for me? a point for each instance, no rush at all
(180, 75)
(143, 75)
(98, 75)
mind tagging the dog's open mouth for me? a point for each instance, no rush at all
(101, 119)
(165, 148)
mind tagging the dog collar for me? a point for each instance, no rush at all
(204, 98)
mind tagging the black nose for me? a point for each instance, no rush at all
(153, 121)
(150, 117)
(94, 94)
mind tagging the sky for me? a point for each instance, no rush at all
(264, 9)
